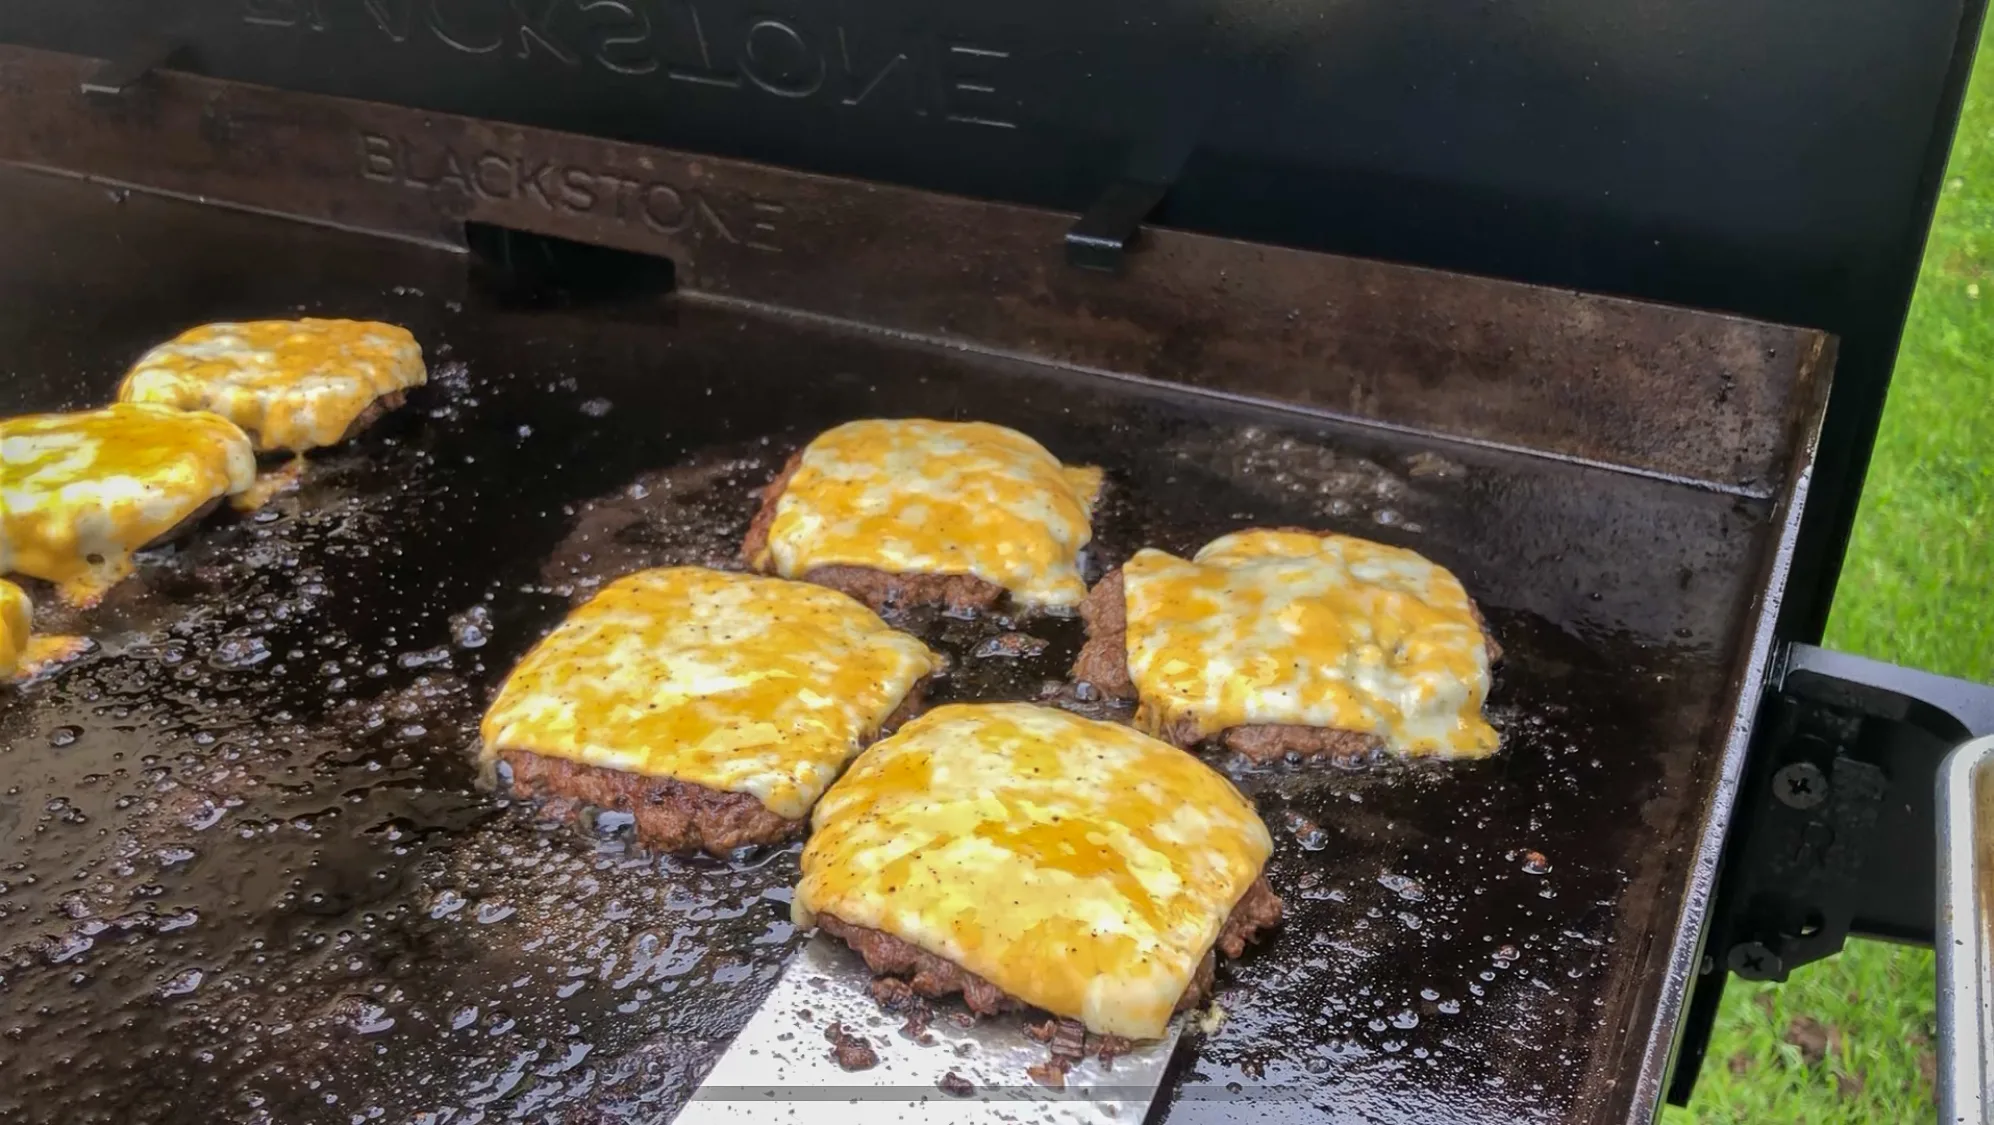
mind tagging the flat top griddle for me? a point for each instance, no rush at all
(247, 872)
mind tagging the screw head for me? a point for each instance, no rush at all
(1801, 785)
(1753, 961)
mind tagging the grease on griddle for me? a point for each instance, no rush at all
(471, 628)
(1083, 699)
(290, 836)
(1010, 646)
(314, 883)
(1328, 482)
(691, 514)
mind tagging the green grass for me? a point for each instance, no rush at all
(1847, 1040)
(1851, 1039)
(1919, 580)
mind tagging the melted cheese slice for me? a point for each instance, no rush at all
(22, 655)
(923, 497)
(1284, 627)
(731, 681)
(1080, 866)
(80, 492)
(292, 384)
(16, 612)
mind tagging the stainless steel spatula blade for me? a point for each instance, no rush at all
(781, 1067)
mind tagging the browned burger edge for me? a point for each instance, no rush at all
(670, 815)
(935, 977)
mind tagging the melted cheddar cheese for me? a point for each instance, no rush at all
(80, 492)
(923, 497)
(1081, 866)
(16, 612)
(21, 654)
(730, 681)
(291, 384)
(270, 484)
(1284, 627)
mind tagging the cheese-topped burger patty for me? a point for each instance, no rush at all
(918, 512)
(1278, 642)
(1025, 856)
(21, 653)
(291, 384)
(80, 492)
(715, 707)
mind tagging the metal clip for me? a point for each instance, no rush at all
(1101, 238)
(1104, 235)
(116, 77)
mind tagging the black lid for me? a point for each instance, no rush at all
(1774, 158)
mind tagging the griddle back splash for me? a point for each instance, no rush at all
(249, 874)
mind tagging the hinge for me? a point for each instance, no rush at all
(1102, 238)
(1834, 831)
(119, 76)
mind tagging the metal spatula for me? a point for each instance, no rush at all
(782, 1068)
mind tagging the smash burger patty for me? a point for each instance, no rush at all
(668, 814)
(715, 707)
(292, 385)
(84, 491)
(910, 512)
(1028, 857)
(935, 977)
(880, 590)
(1414, 613)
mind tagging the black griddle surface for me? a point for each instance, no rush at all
(247, 872)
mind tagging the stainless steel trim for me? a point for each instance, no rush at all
(1759, 664)
(1965, 977)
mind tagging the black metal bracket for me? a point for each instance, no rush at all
(1102, 237)
(1107, 231)
(1834, 831)
(119, 76)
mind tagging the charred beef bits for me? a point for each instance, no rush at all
(1071, 865)
(915, 511)
(291, 384)
(80, 492)
(1278, 642)
(716, 707)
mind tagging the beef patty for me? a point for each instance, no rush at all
(881, 590)
(370, 414)
(1104, 663)
(185, 527)
(934, 977)
(373, 412)
(670, 815)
